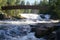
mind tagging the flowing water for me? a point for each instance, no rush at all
(17, 32)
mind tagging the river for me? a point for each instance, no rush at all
(17, 32)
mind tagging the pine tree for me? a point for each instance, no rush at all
(22, 3)
(35, 3)
(27, 10)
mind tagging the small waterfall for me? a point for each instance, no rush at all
(20, 31)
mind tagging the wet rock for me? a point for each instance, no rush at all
(2, 16)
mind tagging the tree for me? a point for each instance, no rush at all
(35, 3)
(17, 2)
(8, 3)
(17, 11)
(44, 4)
(22, 3)
(54, 9)
(11, 2)
(27, 10)
(3, 3)
(14, 12)
(27, 3)
(57, 8)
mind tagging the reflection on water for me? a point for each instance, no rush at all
(16, 32)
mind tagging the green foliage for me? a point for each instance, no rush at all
(14, 12)
(3, 2)
(11, 2)
(57, 8)
(27, 3)
(17, 2)
(22, 3)
(8, 3)
(0, 1)
(27, 10)
(43, 3)
(35, 3)
(54, 7)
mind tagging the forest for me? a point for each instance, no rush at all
(54, 7)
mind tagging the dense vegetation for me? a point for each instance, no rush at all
(54, 7)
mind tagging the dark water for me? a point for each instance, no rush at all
(17, 32)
